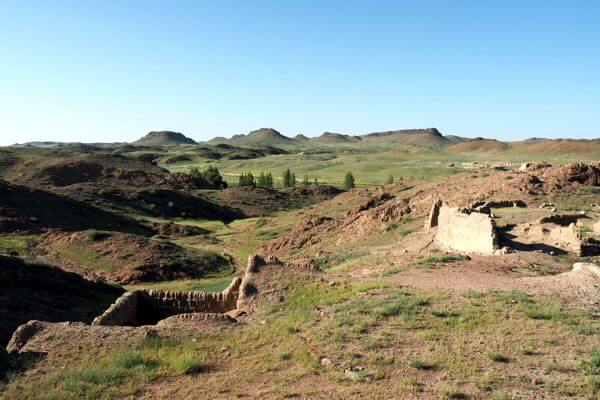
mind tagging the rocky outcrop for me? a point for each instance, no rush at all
(587, 268)
(22, 335)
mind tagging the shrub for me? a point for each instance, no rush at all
(130, 359)
(499, 395)
(418, 363)
(95, 235)
(284, 356)
(497, 357)
(552, 367)
(186, 363)
(453, 393)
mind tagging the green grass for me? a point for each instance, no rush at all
(375, 325)
(371, 168)
(394, 269)
(437, 260)
(199, 285)
(17, 245)
(500, 395)
(336, 261)
(591, 366)
(186, 363)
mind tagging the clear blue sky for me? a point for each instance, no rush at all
(113, 70)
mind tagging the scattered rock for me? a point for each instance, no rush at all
(326, 362)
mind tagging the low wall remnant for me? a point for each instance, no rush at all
(463, 230)
(147, 307)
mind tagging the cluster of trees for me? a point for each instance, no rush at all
(263, 180)
(288, 179)
(211, 175)
(247, 179)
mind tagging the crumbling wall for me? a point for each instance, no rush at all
(145, 307)
(432, 220)
(465, 230)
(567, 238)
(121, 312)
(486, 206)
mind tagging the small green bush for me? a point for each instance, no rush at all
(284, 356)
(453, 393)
(186, 364)
(555, 367)
(418, 363)
(497, 357)
(500, 395)
(130, 359)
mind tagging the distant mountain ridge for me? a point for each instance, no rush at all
(266, 136)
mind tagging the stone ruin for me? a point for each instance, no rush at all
(147, 307)
(464, 230)
(473, 230)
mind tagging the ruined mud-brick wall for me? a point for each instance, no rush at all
(121, 312)
(167, 303)
(143, 307)
(465, 231)
(567, 238)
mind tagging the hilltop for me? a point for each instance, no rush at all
(164, 138)
(430, 137)
(259, 137)
(330, 137)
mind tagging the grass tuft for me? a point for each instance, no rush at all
(186, 363)
(418, 363)
(453, 393)
(497, 357)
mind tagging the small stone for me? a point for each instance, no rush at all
(553, 209)
(352, 375)
(326, 362)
